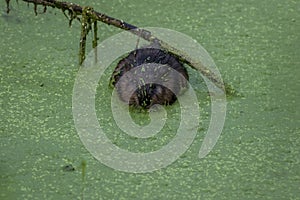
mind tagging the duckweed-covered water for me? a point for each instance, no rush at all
(255, 45)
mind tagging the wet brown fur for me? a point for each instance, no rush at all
(155, 67)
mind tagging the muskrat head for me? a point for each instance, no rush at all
(149, 76)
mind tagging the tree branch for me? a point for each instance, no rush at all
(89, 16)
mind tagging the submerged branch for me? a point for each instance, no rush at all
(90, 16)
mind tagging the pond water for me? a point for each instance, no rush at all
(255, 45)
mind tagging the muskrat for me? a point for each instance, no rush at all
(149, 76)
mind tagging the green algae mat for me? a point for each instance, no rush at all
(256, 47)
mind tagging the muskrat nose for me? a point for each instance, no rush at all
(144, 94)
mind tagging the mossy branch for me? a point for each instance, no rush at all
(90, 17)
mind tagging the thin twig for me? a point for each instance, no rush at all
(88, 16)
